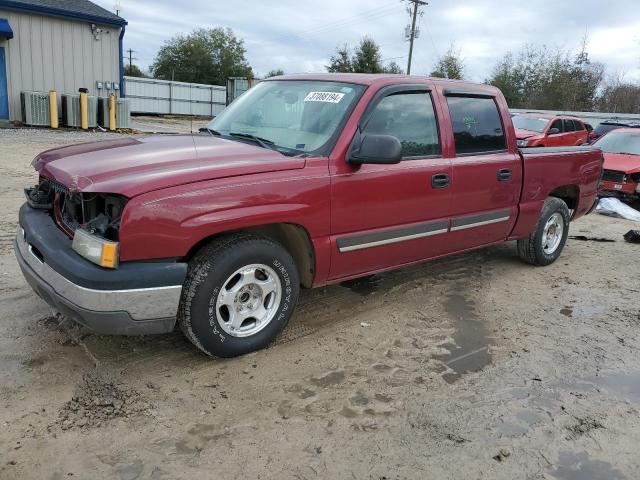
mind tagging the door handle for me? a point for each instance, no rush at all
(504, 175)
(440, 180)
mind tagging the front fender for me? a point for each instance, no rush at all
(169, 222)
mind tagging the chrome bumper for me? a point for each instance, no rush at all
(131, 311)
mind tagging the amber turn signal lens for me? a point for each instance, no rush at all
(96, 249)
(109, 255)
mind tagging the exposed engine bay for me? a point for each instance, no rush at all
(97, 213)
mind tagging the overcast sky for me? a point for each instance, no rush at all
(300, 36)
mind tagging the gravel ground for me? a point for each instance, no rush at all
(476, 366)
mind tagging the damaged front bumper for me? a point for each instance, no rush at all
(138, 298)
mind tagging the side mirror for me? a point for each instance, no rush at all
(554, 131)
(376, 149)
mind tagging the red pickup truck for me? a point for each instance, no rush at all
(302, 181)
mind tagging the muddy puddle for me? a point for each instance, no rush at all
(470, 350)
(583, 310)
(623, 385)
(579, 466)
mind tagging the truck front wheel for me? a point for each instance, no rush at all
(240, 292)
(546, 242)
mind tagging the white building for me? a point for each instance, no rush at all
(58, 44)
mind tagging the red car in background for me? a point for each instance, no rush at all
(621, 150)
(540, 130)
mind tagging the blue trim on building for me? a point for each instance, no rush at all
(55, 12)
(5, 29)
(121, 49)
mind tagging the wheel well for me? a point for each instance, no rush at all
(569, 194)
(294, 238)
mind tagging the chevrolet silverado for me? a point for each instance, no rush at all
(303, 181)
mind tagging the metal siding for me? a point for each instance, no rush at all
(53, 53)
(166, 97)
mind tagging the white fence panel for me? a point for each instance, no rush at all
(165, 97)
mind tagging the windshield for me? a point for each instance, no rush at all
(294, 116)
(530, 123)
(606, 127)
(620, 142)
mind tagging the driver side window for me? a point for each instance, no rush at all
(410, 117)
(557, 124)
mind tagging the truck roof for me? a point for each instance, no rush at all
(381, 79)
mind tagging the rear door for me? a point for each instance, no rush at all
(571, 135)
(486, 173)
(389, 215)
(581, 133)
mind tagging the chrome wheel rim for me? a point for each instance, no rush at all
(552, 233)
(248, 300)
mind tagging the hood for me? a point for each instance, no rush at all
(622, 162)
(524, 134)
(132, 166)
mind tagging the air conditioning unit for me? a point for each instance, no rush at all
(71, 111)
(35, 108)
(123, 112)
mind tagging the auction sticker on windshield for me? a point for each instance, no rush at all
(329, 97)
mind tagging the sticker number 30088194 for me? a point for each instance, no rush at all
(329, 97)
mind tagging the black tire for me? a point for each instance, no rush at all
(208, 271)
(531, 249)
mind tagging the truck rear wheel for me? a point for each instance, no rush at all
(240, 292)
(546, 242)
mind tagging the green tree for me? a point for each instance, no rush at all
(274, 73)
(341, 61)
(449, 65)
(133, 71)
(204, 56)
(551, 79)
(366, 58)
(393, 67)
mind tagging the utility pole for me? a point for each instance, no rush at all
(130, 52)
(412, 33)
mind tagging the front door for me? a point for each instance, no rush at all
(4, 97)
(389, 215)
(556, 139)
(486, 176)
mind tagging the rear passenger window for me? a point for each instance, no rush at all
(569, 126)
(477, 127)
(410, 117)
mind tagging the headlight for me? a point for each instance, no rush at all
(95, 249)
(522, 143)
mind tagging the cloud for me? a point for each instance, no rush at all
(301, 36)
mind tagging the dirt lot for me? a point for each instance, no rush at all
(477, 366)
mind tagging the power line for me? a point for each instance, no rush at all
(353, 19)
(318, 32)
